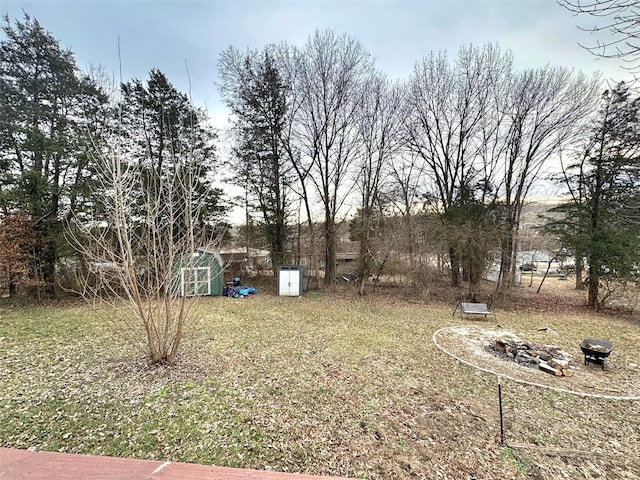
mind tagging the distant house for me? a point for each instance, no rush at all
(346, 257)
(527, 262)
(347, 253)
(534, 256)
(241, 261)
(199, 273)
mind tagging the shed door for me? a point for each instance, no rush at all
(196, 281)
(289, 283)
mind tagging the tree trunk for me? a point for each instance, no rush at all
(410, 240)
(546, 272)
(298, 242)
(363, 269)
(49, 266)
(579, 270)
(363, 281)
(313, 253)
(505, 279)
(280, 243)
(363, 254)
(594, 285)
(506, 275)
(330, 251)
(593, 292)
(455, 267)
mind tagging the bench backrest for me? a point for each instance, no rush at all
(474, 307)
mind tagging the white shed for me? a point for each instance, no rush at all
(290, 279)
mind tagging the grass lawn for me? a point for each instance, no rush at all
(325, 384)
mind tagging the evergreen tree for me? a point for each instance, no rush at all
(256, 93)
(471, 228)
(44, 110)
(602, 221)
(164, 134)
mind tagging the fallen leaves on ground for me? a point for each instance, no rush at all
(334, 385)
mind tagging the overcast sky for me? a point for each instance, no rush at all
(169, 33)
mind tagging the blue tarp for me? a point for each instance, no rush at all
(239, 291)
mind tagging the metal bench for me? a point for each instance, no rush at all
(474, 308)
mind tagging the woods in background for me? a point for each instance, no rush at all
(437, 165)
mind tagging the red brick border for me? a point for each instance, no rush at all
(35, 465)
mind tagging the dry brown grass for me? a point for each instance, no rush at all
(331, 384)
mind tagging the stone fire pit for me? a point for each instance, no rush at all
(538, 357)
(548, 358)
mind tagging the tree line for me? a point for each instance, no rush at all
(447, 157)
(58, 126)
(455, 149)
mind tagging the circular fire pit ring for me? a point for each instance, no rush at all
(466, 344)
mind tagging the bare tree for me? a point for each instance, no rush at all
(405, 177)
(545, 109)
(332, 71)
(290, 65)
(136, 241)
(621, 20)
(379, 127)
(448, 107)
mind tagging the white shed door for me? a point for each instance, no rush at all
(289, 283)
(195, 281)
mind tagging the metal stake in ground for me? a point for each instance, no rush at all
(500, 405)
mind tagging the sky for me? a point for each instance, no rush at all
(184, 38)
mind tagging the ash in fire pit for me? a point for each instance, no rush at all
(544, 357)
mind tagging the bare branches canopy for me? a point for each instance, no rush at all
(621, 19)
(433, 170)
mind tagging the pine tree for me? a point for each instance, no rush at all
(602, 221)
(257, 95)
(166, 135)
(44, 106)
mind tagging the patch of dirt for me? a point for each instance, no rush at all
(189, 366)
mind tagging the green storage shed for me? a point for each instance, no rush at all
(200, 273)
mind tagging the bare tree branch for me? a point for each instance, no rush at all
(622, 21)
